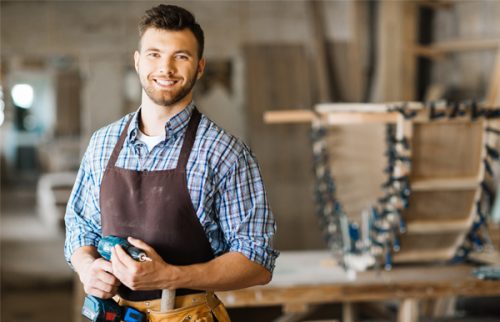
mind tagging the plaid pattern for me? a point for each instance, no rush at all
(223, 177)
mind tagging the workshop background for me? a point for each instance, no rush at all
(67, 70)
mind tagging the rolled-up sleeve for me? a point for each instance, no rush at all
(82, 217)
(244, 212)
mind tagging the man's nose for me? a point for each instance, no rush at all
(168, 66)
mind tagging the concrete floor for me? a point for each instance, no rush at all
(37, 285)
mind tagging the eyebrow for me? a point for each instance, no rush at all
(182, 51)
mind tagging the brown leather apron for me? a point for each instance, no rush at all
(156, 207)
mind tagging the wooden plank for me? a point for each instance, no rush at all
(425, 248)
(350, 117)
(409, 64)
(438, 49)
(390, 48)
(493, 95)
(440, 205)
(357, 55)
(306, 116)
(446, 183)
(321, 63)
(365, 107)
(436, 226)
(408, 310)
(361, 118)
(289, 116)
(278, 75)
(356, 152)
(349, 312)
(68, 103)
(426, 256)
(446, 150)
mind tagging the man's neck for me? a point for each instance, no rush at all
(154, 117)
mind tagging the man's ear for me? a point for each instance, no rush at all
(201, 68)
(136, 60)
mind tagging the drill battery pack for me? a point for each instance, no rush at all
(100, 310)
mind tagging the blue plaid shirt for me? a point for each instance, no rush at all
(223, 177)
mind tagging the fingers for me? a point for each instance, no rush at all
(140, 244)
(99, 281)
(99, 292)
(108, 279)
(103, 265)
(118, 254)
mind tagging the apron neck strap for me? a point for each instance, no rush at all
(119, 145)
(189, 138)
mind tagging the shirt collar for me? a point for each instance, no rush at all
(173, 127)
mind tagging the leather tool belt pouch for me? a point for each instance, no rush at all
(200, 307)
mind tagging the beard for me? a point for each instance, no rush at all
(167, 98)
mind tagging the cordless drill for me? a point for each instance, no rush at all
(106, 244)
(107, 310)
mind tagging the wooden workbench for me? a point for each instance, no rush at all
(304, 279)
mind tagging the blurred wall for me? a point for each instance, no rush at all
(99, 37)
(467, 75)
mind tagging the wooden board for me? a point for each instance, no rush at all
(439, 205)
(68, 104)
(278, 76)
(446, 149)
(357, 153)
(445, 174)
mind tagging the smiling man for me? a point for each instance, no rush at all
(176, 185)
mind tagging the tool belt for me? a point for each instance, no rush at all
(199, 307)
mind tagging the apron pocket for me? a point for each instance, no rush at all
(194, 313)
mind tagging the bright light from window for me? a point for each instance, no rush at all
(23, 95)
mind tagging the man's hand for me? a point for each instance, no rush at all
(148, 275)
(229, 271)
(96, 273)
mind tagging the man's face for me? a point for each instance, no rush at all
(168, 65)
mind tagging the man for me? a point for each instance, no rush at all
(175, 184)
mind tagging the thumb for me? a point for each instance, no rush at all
(140, 244)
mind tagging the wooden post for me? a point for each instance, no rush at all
(409, 69)
(493, 99)
(408, 310)
(321, 60)
(349, 312)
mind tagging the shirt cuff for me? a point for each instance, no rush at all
(260, 254)
(87, 240)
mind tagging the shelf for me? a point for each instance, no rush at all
(438, 49)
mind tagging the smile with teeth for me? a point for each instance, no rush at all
(165, 82)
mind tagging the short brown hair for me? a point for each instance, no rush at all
(170, 17)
